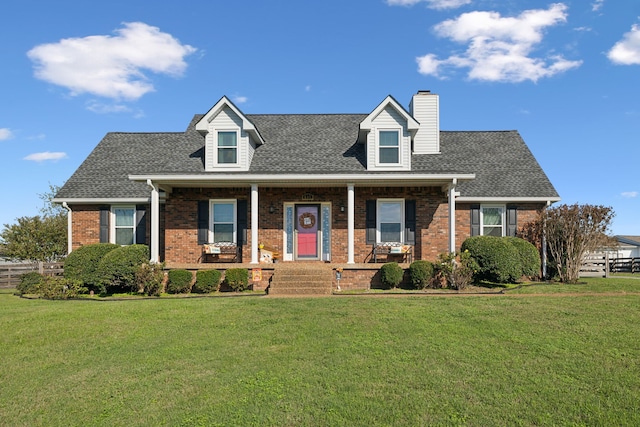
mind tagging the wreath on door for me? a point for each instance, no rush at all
(307, 220)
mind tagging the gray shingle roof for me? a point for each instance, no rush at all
(308, 143)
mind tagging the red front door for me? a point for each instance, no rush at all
(307, 223)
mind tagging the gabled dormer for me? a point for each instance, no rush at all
(230, 138)
(387, 133)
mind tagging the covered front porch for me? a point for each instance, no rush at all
(309, 218)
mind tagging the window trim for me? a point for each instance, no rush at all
(216, 147)
(112, 223)
(399, 132)
(378, 219)
(212, 202)
(503, 218)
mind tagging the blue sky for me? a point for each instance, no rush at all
(566, 75)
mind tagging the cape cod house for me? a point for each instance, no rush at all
(349, 189)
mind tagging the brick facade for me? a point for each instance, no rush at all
(179, 234)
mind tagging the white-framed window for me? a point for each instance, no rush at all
(123, 229)
(492, 220)
(389, 146)
(223, 227)
(390, 221)
(227, 147)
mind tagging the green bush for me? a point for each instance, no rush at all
(391, 274)
(60, 288)
(82, 263)
(421, 273)
(454, 270)
(117, 269)
(206, 281)
(179, 281)
(498, 260)
(149, 278)
(237, 279)
(29, 283)
(529, 256)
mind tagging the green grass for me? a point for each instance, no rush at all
(337, 361)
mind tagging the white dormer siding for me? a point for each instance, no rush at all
(227, 121)
(425, 108)
(230, 138)
(382, 153)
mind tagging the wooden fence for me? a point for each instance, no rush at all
(625, 265)
(595, 265)
(10, 273)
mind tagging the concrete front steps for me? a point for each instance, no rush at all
(301, 279)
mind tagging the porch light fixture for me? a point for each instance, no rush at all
(272, 208)
(341, 206)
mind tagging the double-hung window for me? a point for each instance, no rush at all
(492, 221)
(389, 147)
(227, 147)
(223, 221)
(124, 231)
(390, 217)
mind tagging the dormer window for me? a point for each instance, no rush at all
(389, 147)
(227, 148)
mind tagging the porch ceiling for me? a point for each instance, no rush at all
(306, 180)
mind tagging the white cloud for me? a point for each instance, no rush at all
(5, 133)
(597, 5)
(111, 66)
(100, 108)
(500, 48)
(432, 4)
(627, 50)
(629, 194)
(41, 157)
(240, 99)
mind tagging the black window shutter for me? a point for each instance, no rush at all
(141, 224)
(203, 222)
(410, 222)
(242, 222)
(370, 222)
(104, 224)
(475, 220)
(512, 221)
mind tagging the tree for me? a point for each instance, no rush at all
(37, 238)
(571, 232)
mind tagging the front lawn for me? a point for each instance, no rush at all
(333, 361)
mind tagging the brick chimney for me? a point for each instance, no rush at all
(424, 108)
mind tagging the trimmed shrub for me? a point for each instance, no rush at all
(82, 263)
(529, 256)
(237, 279)
(207, 281)
(421, 273)
(149, 278)
(498, 260)
(117, 269)
(391, 274)
(60, 288)
(29, 283)
(179, 281)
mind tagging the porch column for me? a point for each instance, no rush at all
(155, 223)
(254, 223)
(69, 227)
(350, 224)
(452, 214)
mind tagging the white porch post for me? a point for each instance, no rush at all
(69, 228)
(452, 215)
(350, 224)
(155, 222)
(254, 223)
